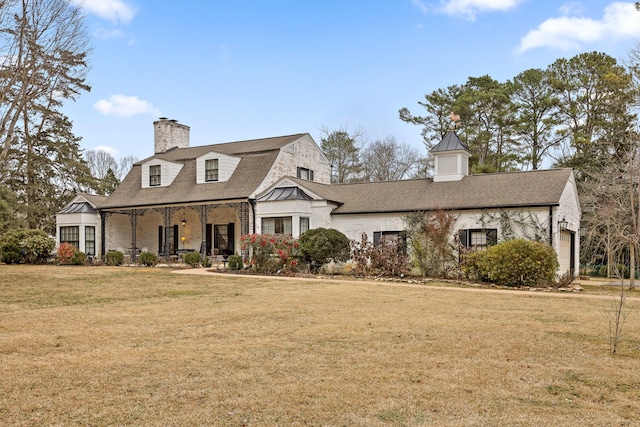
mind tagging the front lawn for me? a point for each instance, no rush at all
(143, 346)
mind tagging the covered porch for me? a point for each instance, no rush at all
(171, 231)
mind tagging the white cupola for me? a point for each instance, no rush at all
(450, 158)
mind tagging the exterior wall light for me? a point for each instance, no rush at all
(562, 224)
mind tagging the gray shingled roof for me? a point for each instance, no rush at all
(257, 158)
(516, 189)
(450, 142)
(236, 148)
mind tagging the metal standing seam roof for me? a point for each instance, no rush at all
(284, 193)
(450, 142)
(78, 207)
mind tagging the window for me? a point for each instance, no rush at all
(154, 175)
(90, 241)
(211, 170)
(399, 237)
(221, 238)
(479, 239)
(70, 235)
(306, 174)
(394, 235)
(276, 225)
(304, 224)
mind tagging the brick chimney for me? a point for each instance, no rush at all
(168, 134)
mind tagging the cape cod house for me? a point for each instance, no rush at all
(204, 198)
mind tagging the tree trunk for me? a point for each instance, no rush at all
(632, 266)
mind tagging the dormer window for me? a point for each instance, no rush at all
(306, 174)
(154, 175)
(211, 170)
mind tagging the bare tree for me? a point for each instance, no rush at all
(100, 162)
(125, 165)
(43, 50)
(388, 160)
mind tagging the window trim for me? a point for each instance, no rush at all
(490, 238)
(306, 171)
(284, 226)
(213, 171)
(90, 243)
(307, 225)
(68, 232)
(155, 179)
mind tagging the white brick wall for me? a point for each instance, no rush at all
(169, 134)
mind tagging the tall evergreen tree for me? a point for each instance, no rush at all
(536, 115)
(342, 149)
(43, 50)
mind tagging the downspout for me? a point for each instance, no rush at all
(551, 226)
(103, 237)
(252, 202)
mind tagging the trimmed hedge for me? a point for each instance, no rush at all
(114, 258)
(319, 246)
(517, 262)
(235, 262)
(148, 259)
(192, 259)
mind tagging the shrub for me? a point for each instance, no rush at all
(79, 258)
(269, 253)
(235, 262)
(474, 266)
(387, 257)
(148, 259)
(114, 258)
(28, 246)
(321, 245)
(65, 253)
(206, 261)
(516, 262)
(192, 259)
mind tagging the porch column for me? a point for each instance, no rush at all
(243, 213)
(133, 217)
(204, 214)
(103, 237)
(167, 212)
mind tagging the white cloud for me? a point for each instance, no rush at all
(620, 21)
(124, 106)
(420, 5)
(112, 10)
(469, 8)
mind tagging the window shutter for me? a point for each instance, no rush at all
(463, 236)
(176, 238)
(492, 237)
(298, 173)
(230, 238)
(376, 237)
(310, 175)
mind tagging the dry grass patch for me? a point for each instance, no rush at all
(137, 346)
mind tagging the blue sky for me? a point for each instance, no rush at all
(245, 69)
